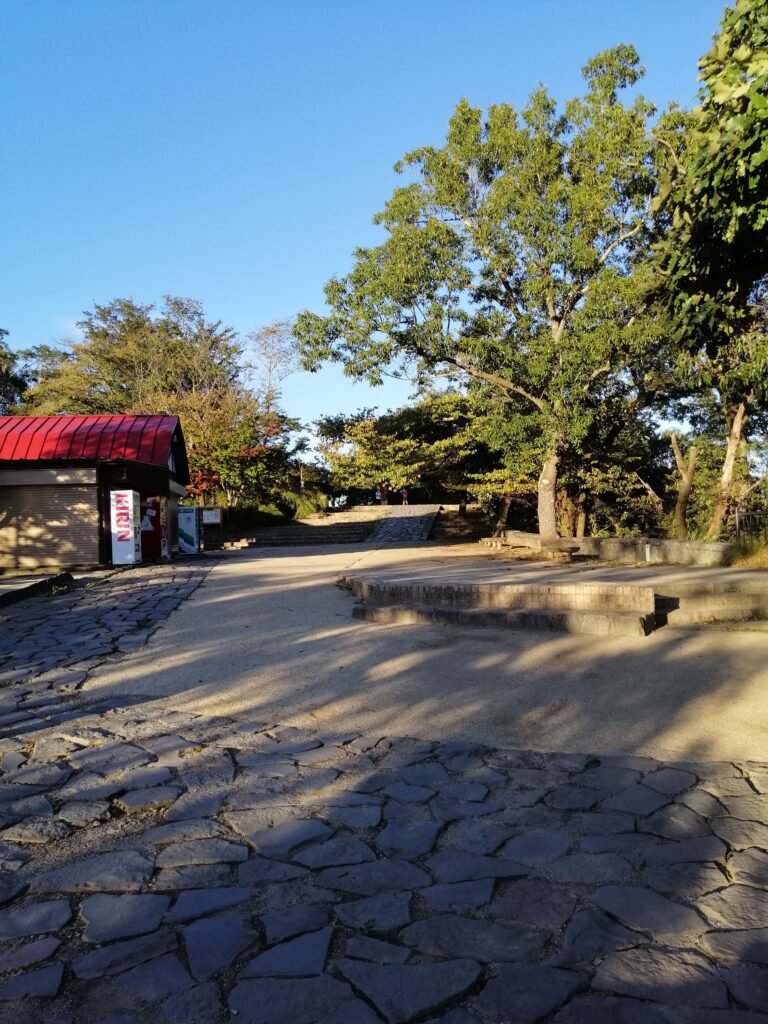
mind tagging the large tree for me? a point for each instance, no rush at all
(137, 358)
(508, 262)
(134, 358)
(717, 194)
(713, 260)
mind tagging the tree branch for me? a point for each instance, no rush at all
(497, 381)
(652, 494)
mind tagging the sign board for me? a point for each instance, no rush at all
(125, 525)
(212, 517)
(190, 530)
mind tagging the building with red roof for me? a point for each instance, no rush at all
(59, 476)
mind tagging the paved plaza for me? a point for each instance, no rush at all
(197, 830)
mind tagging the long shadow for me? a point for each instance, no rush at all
(264, 641)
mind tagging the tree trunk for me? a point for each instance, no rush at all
(546, 499)
(501, 518)
(684, 487)
(725, 493)
(581, 520)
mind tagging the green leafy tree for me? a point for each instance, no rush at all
(509, 262)
(717, 193)
(133, 359)
(712, 261)
(12, 381)
(434, 446)
(138, 359)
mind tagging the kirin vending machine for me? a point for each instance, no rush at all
(125, 527)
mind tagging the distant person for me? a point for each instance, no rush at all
(404, 495)
(378, 495)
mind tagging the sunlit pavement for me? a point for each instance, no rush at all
(223, 818)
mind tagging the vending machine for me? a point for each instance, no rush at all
(154, 528)
(125, 527)
(190, 530)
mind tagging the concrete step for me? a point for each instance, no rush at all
(592, 622)
(572, 596)
(711, 615)
(698, 605)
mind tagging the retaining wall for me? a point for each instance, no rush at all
(630, 550)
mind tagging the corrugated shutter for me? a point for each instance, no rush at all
(48, 526)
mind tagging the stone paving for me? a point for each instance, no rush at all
(49, 645)
(160, 866)
(405, 524)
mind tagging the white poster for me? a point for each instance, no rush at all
(125, 520)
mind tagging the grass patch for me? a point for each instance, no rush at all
(751, 555)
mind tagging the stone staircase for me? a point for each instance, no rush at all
(406, 524)
(594, 608)
(353, 526)
(451, 527)
(730, 603)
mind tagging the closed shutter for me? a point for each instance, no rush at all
(48, 526)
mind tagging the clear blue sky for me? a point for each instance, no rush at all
(234, 151)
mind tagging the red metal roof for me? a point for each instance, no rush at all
(145, 439)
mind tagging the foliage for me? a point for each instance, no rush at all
(434, 446)
(134, 358)
(509, 260)
(12, 381)
(717, 195)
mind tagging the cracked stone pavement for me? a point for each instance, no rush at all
(158, 865)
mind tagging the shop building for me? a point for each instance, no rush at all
(89, 490)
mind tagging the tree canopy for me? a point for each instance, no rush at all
(509, 263)
(717, 194)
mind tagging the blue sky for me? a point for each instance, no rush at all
(234, 151)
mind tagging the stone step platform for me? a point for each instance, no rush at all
(595, 608)
(553, 620)
(536, 596)
(728, 601)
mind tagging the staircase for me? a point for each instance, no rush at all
(406, 524)
(450, 527)
(593, 608)
(352, 526)
(732, 603)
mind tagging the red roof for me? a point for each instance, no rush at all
(145, 439)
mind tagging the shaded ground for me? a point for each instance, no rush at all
(271, 636)
(223, 820)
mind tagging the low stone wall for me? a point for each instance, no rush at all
(630, 550)
(616, 597)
